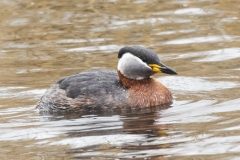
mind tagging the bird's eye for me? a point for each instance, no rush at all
(144, 60)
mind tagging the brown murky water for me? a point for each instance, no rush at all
(44, 41)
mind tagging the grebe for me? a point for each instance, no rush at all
(130, 87)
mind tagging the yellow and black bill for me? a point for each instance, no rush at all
(162, 68)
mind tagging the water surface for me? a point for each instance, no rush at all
(42, 42)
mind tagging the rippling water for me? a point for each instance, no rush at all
(44, 41)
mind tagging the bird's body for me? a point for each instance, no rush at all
(99, 89)
(130, 87)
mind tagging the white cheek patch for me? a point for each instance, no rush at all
(132, 66)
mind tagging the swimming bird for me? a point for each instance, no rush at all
(132, 86)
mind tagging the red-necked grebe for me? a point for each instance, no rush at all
(131, 86)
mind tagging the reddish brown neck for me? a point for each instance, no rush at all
(132, 82)
(146, 92)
